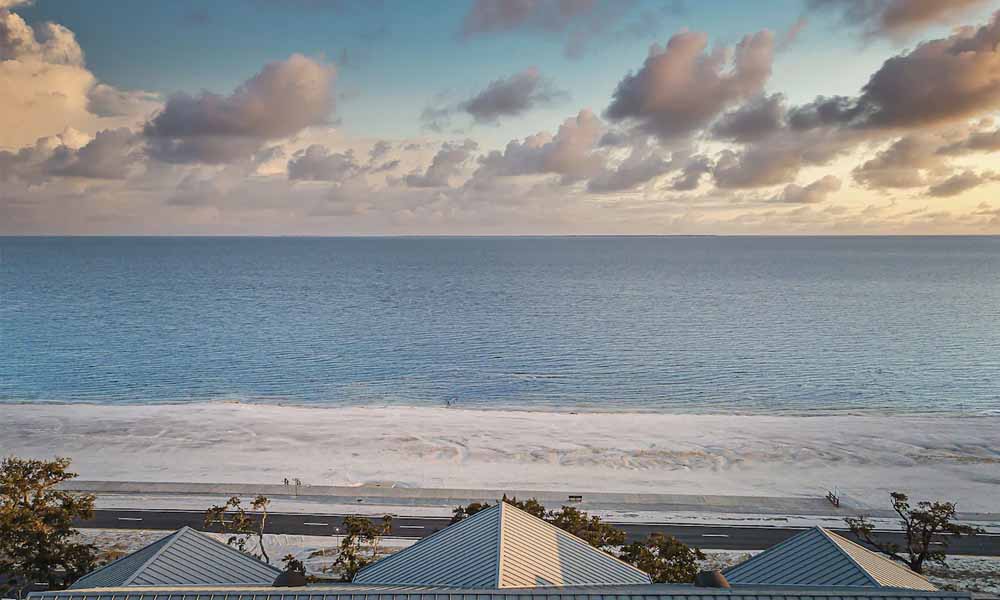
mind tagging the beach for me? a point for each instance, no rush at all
(863, 457)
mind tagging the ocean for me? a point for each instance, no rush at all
(745, 325)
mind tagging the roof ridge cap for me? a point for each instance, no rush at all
(503, 523)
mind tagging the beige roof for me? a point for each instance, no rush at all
(501, 547)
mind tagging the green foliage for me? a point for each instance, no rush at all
(665, 558)
(361, 545)
(927, 527)
(293, 565)
(530, 506)
(36, 532)
(233, 518)
(588, 528)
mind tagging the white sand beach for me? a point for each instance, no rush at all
(933, 457)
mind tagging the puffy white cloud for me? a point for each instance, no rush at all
(568, 153)
(281, 100)
(682, 87)
(447, 163)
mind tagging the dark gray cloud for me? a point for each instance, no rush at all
(813, 193)
(940, 81)
(511, 96)
(379, 149)
(682, 87)
(644, 163)
(447, 163)
(317, 163)
(962, 182)
(778, 158)
(691, 174)
(754, 120)
(897, 18)
(281, 100)
(904, 164)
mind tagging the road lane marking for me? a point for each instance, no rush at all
(412, 527)
(714, 535)
(129, 519)
(317, 524)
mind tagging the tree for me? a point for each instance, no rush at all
(241, 526)
(36, 525)
(665, 558)
(361, 545)
(588, 528)
(530, 506)
(929, 524)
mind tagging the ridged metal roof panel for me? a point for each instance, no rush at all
(465, 554)
(817, 557)
(887, 572)
(535, 553)
(501, 547)
(185, 557)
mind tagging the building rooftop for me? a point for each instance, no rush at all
(498, 548)
(185, 557)
(818, 557)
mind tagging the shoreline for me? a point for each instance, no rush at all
(514, 408)
(864, 457)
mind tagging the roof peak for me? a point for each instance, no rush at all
(502, 546)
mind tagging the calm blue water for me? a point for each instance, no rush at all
(776, 325)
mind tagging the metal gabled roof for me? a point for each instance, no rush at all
(820, 557)
(185, 557)
(499, 548)
(348, 591)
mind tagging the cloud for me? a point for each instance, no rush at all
(111, 154)
(108, 101)
(281, 100)
(317, 163)
(897, 19)
(510, 96)
(962, 182)
(977, 141)
(644, 163)
(568, 153)
(691, 174)
(490, 16)
(778, 158)
(379, 149)
(755, 120)
(47, 42)
(903, 164)
(940, 81)
(447, 163)
(682, 87)
(813, 193)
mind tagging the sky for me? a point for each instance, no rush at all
(499, 117)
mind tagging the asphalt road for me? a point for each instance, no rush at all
(719, 537)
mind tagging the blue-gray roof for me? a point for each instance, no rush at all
(820, 557)
(501, 547)
(185, 557)
(349, 591)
